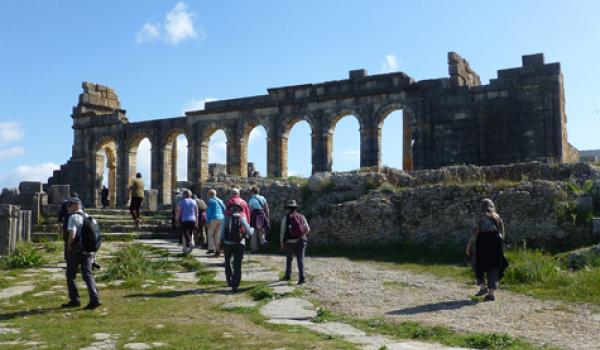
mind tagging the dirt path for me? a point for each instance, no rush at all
(367, 289)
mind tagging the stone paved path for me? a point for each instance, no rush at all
(293, 310)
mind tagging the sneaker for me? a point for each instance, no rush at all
(482, 292)
(71, 304)
(92, 305)
(302, 281)
(286, 278)
(96, 266)
(217, 254)
(489, 297)
(210, 251)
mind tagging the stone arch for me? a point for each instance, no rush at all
(247, 127)
(338, 115)
(407, 136)
(132, 149)
(170, 161)
(280, 141)
(330, 124)
(106, 153)
(203, 147)
(287, 123)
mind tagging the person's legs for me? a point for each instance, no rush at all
(187, 228)
(299, 252)
(228, 273)
(480, 276)
(137, 209)
(90, 282)
(289, 256)
(216, 234)
(254, 241)
(132, 209)
(238, 256)
(72, 264)
(492, 281)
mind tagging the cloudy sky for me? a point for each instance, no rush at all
(165, 57)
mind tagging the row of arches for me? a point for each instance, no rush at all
(345, 151)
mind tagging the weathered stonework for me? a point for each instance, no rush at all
(520, 116)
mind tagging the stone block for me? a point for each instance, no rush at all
(9, 216)
(533, 60)
(30, 187)
(58, 193)
(9, 195)
(150, 200)
(357, 73)
(596, 228)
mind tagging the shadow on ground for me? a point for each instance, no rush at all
(433, 307)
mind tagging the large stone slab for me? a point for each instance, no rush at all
(16, 290)
(290, 309)
(30, 187)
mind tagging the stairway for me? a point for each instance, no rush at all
(117, 225)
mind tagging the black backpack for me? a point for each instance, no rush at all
(234, 232)
(90, 238)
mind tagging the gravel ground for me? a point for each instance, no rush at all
(368, 289)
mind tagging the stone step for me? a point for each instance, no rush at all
(109, 236)
(113, 227)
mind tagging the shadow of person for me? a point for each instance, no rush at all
(32, 312)
(441, 306)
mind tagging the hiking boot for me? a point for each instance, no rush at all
(210, 251)
(96, 266)
(92, 305)
(286, 278)
(217, 254)
(482, 292)
(302, 281)
(71, 304)
(489, 297)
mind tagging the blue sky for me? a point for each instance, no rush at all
(163, 57)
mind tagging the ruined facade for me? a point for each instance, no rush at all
(520, 116)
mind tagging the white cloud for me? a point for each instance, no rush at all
(178, 26)
(149, 32)
(217, 148)
(197, 104)
(11, 152)
(10, 131)
(39, 172)
(257, 134)
(390, 64)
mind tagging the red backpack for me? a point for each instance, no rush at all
(295, 225)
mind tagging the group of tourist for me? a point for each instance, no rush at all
(224, 227)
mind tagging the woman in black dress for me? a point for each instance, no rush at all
(488, 237)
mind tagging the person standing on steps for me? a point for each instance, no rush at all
(104, 197)
(186, 216)
(215, 213)
(293, 236)
(75, 257)
(259, 219)
(136, 195)
(486, 243)
(234, 232)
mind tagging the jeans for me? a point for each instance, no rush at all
(295, 249)
(492, 276)
(187, 229)
(73, 262)
(237, 252)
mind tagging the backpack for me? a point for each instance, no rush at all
(90, 238)
(295, 225)
(234, 232)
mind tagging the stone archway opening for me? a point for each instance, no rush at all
(299, 146)
(257, 152)
(140, 160)
(175, 165)
(213, 152)
(395, 140)
(346, 145)
(106, 172)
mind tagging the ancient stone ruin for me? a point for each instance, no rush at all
(519, 116)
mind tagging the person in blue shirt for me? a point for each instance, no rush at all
(259, 219)
(234, 232)
(215, 212)
(186, 218)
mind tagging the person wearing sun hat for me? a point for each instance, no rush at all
(293, 237)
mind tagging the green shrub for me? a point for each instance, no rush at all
(489, 341)
(3, 283)
(530, 266)
(573, 214)
(133, 265)
(261, 292)
(25, 255)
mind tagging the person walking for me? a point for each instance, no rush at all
(234, 232)
(259, 219)
(293, 237)
(75, 257)
(235, 199)
(136, 194)
(186, 216)
(200, 233)
(486, 244)
(104, 197)
(215, 213)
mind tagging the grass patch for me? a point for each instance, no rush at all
(3, 283)
(261, 292)
(133, 264)
(26, 255)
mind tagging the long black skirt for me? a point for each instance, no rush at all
(489, 253)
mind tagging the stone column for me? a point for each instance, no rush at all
(202, 154)
(126, 171)
(24, 231)
(157, 177)
(322, 151)
(370, 147)
(407, 162)
(9, 216)
(243, 156)
(174, 161)
(277, 154)
(234, 159)
(193, 165)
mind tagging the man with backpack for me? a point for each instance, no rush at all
(294, 238)
(234, 232)
(83, 239)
